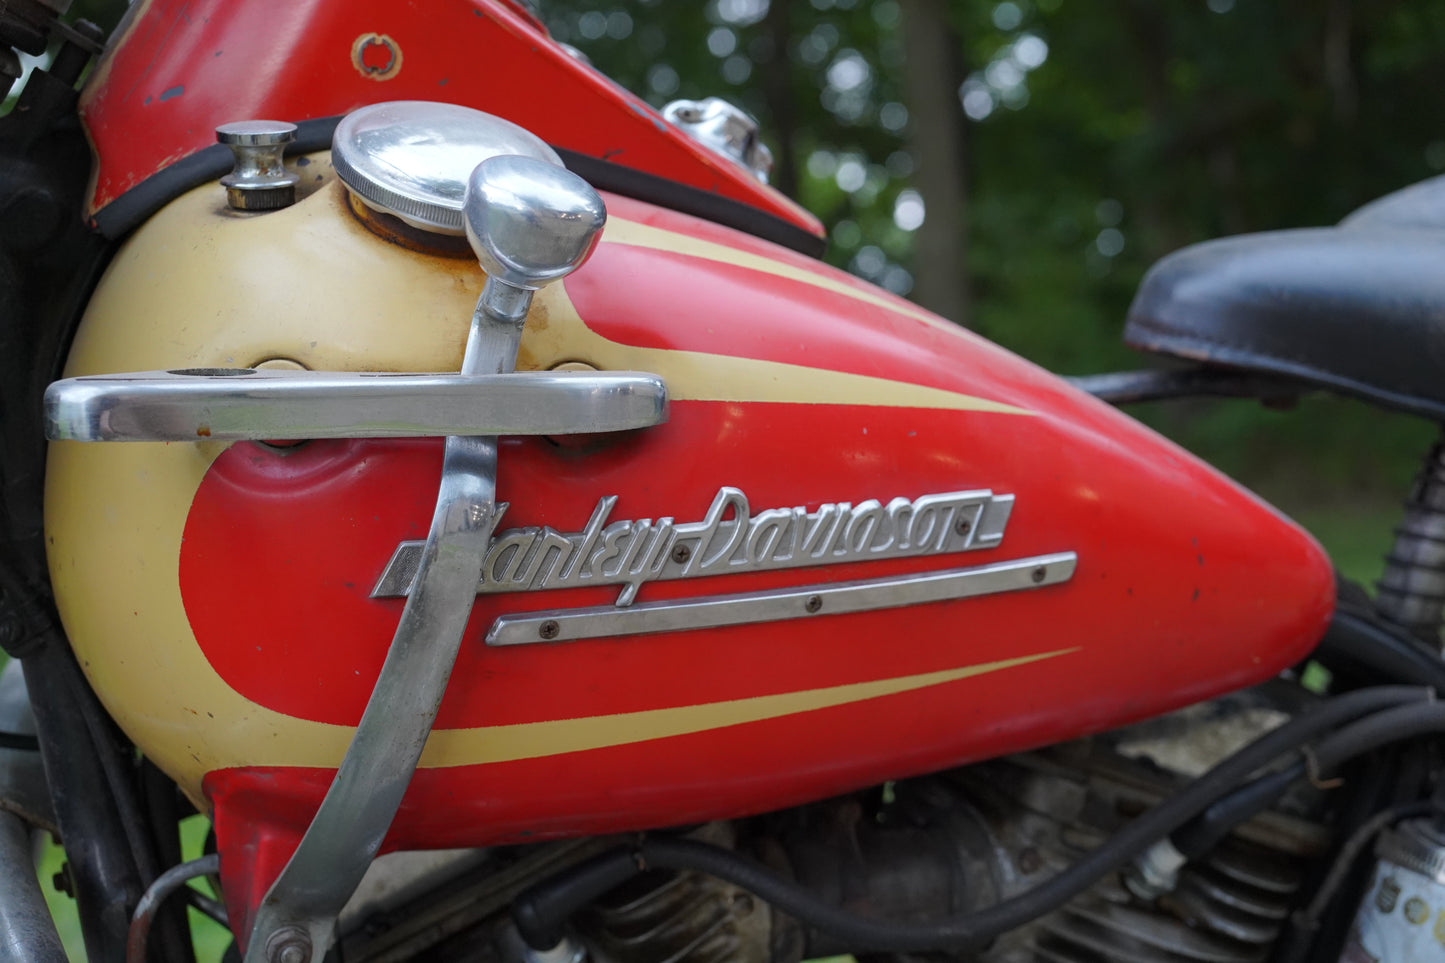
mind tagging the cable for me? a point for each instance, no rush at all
(212, 908)
(541, 912)
(1380, 729)
(1358, 643)
(1296, 944)
(1205, 831)
(166, 884)
(19, 740)
(1350, 851)
(122, 788)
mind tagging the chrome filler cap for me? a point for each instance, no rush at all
(412, 158)
(725, 129)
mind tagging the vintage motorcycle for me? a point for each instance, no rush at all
(709, 604)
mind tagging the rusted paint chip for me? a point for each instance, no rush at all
(376, 56)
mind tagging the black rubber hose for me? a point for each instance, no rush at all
(1381, 729)
(541, 913)
(1204, 832)
(1362, 646)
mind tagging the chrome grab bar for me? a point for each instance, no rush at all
(239, 404)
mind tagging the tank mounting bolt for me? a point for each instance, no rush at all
(814, 604)
(549, 629)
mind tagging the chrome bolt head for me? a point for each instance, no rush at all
(530, 222)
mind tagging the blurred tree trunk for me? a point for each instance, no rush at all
(778, 91)
(1165, 230)
(1339, 63)
(933, 70)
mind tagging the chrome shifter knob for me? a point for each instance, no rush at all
(530, 222)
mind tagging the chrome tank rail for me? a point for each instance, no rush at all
(240, 404)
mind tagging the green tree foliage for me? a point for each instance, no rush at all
(1100, 136)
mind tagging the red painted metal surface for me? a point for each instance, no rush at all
(1186, 585)
(181, 67)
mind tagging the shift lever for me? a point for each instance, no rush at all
(530, 223)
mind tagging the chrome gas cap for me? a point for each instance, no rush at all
(411, 158)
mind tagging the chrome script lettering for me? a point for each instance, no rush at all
(728, 539)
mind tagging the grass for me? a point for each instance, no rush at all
(1356, 536)
(210, 937)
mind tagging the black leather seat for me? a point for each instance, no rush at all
(1358, 308)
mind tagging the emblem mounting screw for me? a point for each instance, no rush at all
(962, 526)
(681, 553)
(1039, 574)
(549, 629)
(814, 603)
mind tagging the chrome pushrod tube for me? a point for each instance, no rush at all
(239, 404)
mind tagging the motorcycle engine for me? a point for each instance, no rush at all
(984, 833)
(1008, 825)
(934, 846)
(1048, 809)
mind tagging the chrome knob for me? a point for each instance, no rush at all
(725, 129)
(529, 222)
(259, 180)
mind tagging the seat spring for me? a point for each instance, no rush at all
(1411, 592)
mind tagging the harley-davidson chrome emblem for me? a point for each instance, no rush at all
(728, 539)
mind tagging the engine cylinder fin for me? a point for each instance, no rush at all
(1047, 808)
(679, 918)
(1255, 868)
(1235, 898)
(1230, 891)
(1195, 905)
(1122, 933)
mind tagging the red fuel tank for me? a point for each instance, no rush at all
(867, 543)
(822, 434)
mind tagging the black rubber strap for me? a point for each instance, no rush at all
(128, 211)
(685, 199)
(131, 209)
